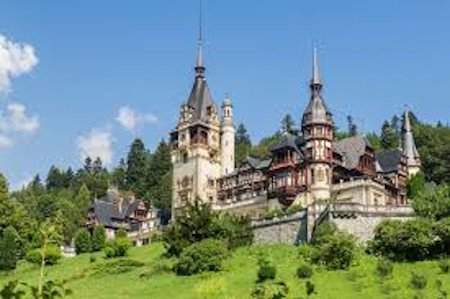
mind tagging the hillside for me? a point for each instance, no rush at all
(149, 280)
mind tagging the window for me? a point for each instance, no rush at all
(185, 157)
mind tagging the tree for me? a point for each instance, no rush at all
(288, 124)
(159, 177)
(83, 241)
(388, 137)
(415, 185)
(9, 249)
(263, 148)
(242, 144)
(136, 167)
(83, 199)
(242, 135)
(98, 238)
(374, 140)
(55, 179)
(119, 175)
(433, 203)
(352, 128)
(4, 192)
(395, 124)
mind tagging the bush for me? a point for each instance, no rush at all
(418, 281)
(444, 265)
(270, 290)
(384, 267)
(121, 233)
(441, 230)
(117, 247)
(305, 252)
(118, 266)
(304, 271)
(198, 222)
(335, 252)
(323, 232)
(266, 270)
(92, 258)
(9, 249)
(98, 238)
(52, 255)
(309, 288)
(206, 255)
(83, 241)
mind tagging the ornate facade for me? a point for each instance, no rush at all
(303, 169)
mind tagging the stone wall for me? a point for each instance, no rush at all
(289, 229)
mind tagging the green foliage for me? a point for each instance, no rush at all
(444, 265)
(117, 247)
(352, 127)
(305, 252)
(204, 256)
(136, 168)
(288, 125)
(384, 267)
(415, 185)
(198, 221)
(49, 290)
(52, 255)
(389, 139)
(266, 270)
(418, 281)
(279, 212)
(433, 202)
(11, 290)
(117, 266)
(121, 233)
(262, 149)
(374, 140)
(98, 238)
(270, 290)
(9, 249)
(304, 271)
(242, 144)
(83, 241)
(333, 249)
(4, 190)
(309, 288)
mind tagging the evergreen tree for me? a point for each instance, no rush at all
(3, 188)
(242, 144)
(158, 175)
(55, 179)
(98, 238)
(9, 249)
(136, 168)
(288, 124)
(83, 199)
(352, 128)
(83, 241)
(242, 135)
(395, 123)
(374, 140)
(389, 139)
(118, 177)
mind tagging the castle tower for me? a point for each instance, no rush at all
(409, 147)
(318, 132)
(227, 137)
(195, 143)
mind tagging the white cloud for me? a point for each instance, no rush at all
(96, 144)
(5, 141)
(130, 119)
(16, 119)
(15, 59)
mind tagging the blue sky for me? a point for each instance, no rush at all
(85, 60)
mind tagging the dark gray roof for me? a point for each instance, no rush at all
(257, 163)
(107, 212)
(288, 141)
(389, 160)
(351, 149)
(200, 100)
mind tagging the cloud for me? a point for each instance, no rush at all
(15, 59)
(131, 119)
(96, 144)
(5, 141)
(16, 119)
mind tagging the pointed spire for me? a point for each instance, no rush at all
(408, 144)
(316, 74)
(199, 67)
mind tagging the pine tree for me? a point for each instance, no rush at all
(83, 241)
(9, 249)
(352, 128)
(159, 177)
(136, 168)
(388, 138)
(83, 199)
(3, 188)
(288, 124)
(98, 238)
(395, 123)
(242, 144)
(55, 179)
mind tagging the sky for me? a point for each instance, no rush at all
(86, 77)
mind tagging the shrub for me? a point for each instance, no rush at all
(323, 232)
(336, 252)
(270, 290)
(266, 270)
(82, 241)
(444, 265)
(9, 249)
(441, 229)
(198, 222)
(52, 255)
(304, 271)
(384, 267)
(206, 255)
(309, 288)
(92, 258)
(117, 247)
(121, 233)
(305, 252)
(98, 238)
(418, 281)
(117, 266)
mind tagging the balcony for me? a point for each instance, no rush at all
(285, 194)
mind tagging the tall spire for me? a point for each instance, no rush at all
(316, 74)
(199, 67)
(409, 146)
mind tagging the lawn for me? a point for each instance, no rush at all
(150, 278)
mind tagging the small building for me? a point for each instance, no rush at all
(118, 210)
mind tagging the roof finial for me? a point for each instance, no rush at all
(199, 68)
(316, 75)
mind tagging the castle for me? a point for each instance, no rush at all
(308, 169)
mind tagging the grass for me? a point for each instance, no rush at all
(147, 276)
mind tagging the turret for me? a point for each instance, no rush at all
(227, 137)
(318, 131)
(409, 147)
